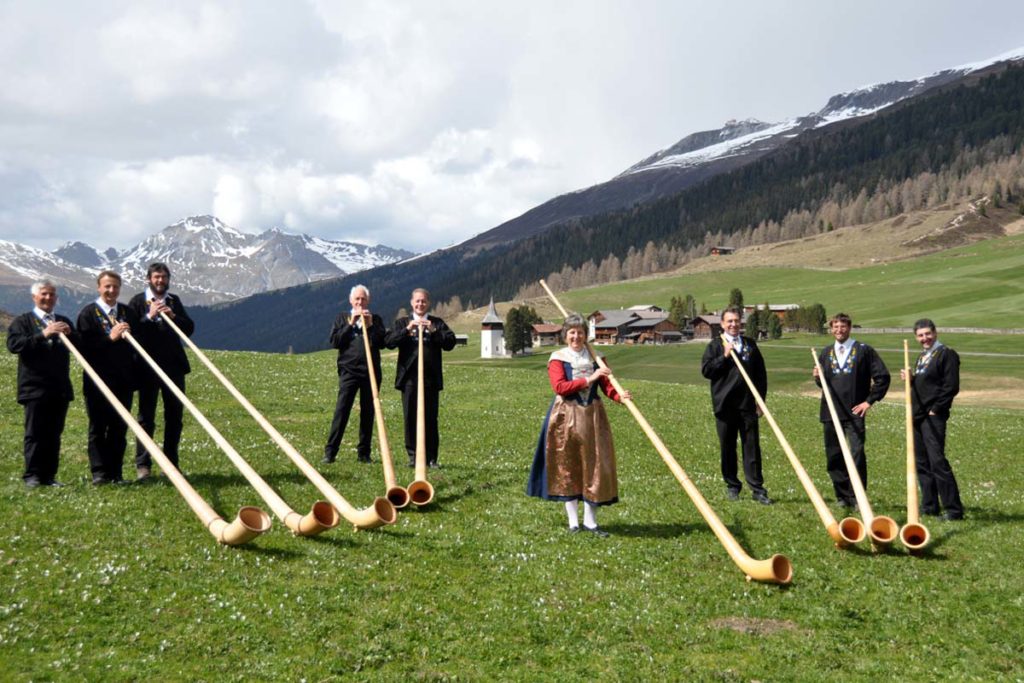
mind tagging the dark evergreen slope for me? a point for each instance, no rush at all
(926, 133)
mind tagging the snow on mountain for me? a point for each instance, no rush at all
(753, 136)
(210, 261)
(81, 254)
(21, 263)
(352, 258)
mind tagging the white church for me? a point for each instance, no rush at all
(492, 334)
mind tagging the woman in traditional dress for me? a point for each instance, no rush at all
(575, 457)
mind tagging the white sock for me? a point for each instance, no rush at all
(589, 515)
(571, 509)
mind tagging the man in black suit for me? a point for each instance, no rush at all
(936, 380)
(101, 327)
(857, 378)
(354, 373)
(736, 411)
(44, 387)
(164, 346)
(437, 337)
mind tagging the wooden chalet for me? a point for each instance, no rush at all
(707, 326)
(544, 334)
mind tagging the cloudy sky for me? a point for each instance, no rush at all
(413, 124)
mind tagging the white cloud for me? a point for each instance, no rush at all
(407, 123)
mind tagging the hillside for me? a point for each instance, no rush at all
(969, 266)
(955, 143)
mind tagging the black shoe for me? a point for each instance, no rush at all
(54, 483)
(574, 530)
(328, 459)
(101, 481)
(412, 462)
(142, 473)
(597, 531)
(762, 498)
(433, 464)
(952, 516)
(847, 503)
(732, 494)
(365, 459)
(32, 483)
(930, 513)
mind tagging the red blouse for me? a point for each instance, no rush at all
(566, 387)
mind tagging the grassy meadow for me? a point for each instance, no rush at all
(978, 285)
(123, 583)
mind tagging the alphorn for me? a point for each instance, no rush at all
(914, 535)
(420, 490)
(881, 529)
(398, 495)
(250, 522)
(843, 533)
(776, 569)
(378, 514)
(321, 518)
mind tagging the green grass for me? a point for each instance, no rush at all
(980, 285)
(125, 584)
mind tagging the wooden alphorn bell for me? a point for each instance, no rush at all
(250, 522)
(776, 569)
(844, 533)
(914, 535)
(321, 518)
(381, 512)
(398, 495)
(882, 530)
(420, 490)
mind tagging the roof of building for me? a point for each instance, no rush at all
(644, 323)
(616, 318)
(492, 317)
(772, 307)
(546, 328)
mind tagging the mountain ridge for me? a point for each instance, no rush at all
(210, 261)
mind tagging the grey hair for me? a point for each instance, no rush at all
(573, 320)
(352, 292)
(40, 285)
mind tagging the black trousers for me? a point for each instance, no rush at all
(934, 473)
(431, 399)
(348, 386)
(837, 471)
(733, 423)
(44, 425)
(173, 410)
(106, 431)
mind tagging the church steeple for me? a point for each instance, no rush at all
(492, 321)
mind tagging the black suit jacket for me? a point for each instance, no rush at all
(159, 340)
(114, 361)
(933, 389)
(43, 364)
(868, 380)
(348, 339)
(442, 338)
(728, 388)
